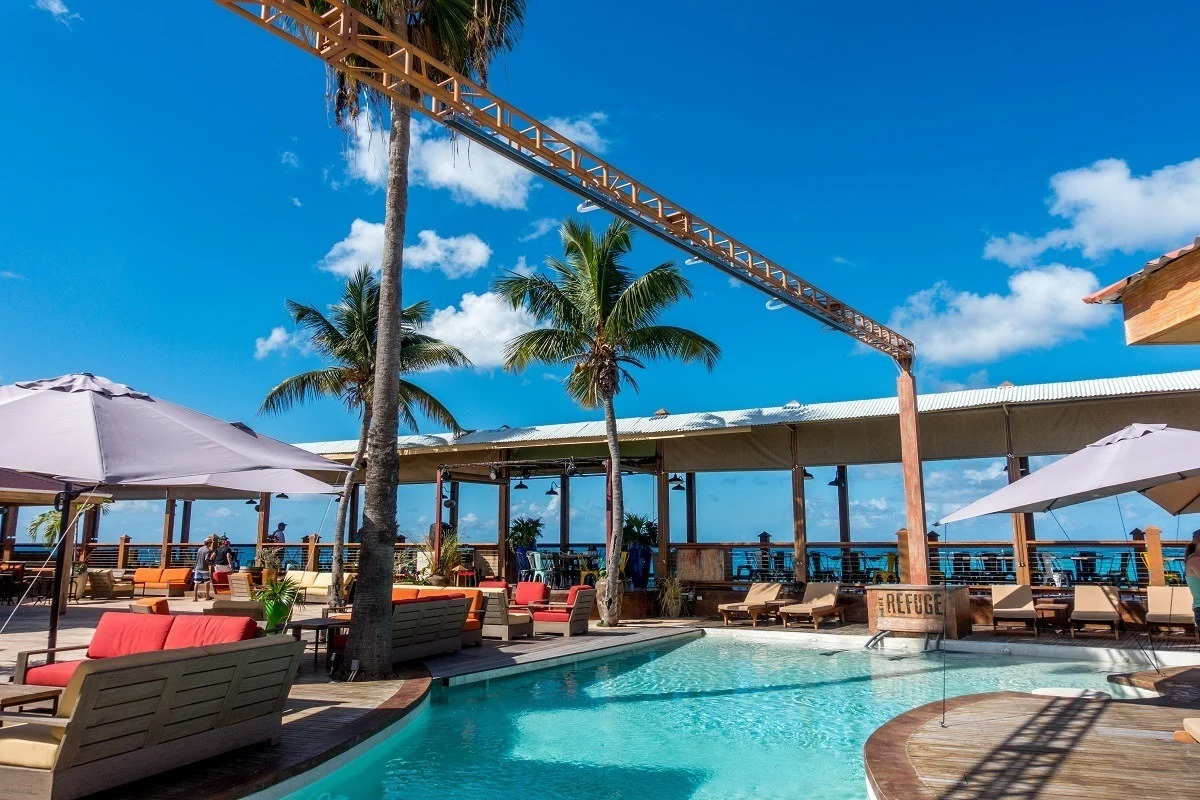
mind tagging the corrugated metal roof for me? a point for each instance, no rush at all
(1113, 293)
(648, 427)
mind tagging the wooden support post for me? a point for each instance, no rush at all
(1022, 524)
(311, 557)
(662, 563)
(123, 551)
(437, 517)
(689, 487)
(843, 492)
(902, 554)
(503, 514)
(168, 532)
(799, 517)
(454, 506)
(352, 522)
(91, 530)
(264, 522)
(564, 513)
(914, 484)
(8, 533)
(185, 523)
(1154, 556)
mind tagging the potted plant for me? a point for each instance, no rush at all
(441, 565)
(640, 534)
(670, 597)
(270, 563)
(278, 597)
(79, 580)
(523, 535)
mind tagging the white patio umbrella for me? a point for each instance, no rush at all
(90, 431)
(1160, 462)
(224, 485)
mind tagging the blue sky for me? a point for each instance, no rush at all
(965, 172)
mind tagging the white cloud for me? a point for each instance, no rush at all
(976, 380)
(845, 262)
(522, 267)
(472, 173)
(1043, 308)
(134, 507)
(4, 273)
(583, 130)
(363, 245)
(1108, 208)
(988, 474)
(277, 340)
(454, 256)
(220, 512)
(539, 228)
(296, 202)
(480, 326)
(58, 9)
(289, 159)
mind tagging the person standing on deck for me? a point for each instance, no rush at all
(277, 536)
(202, 572)
(1191, 573)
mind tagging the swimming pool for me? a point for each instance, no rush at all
(717, 718)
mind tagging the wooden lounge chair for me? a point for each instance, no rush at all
(1191, 731)
(820, 602)
(1097, 605)
(129, 717)
(503, 622)
(239, 586)
(570, 618)
(1013, 602)
(1170, 607)
(755, 604)
(105, 587)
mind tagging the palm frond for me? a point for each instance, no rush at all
(412, 396)
(544, 346)
(298, 389)
(646, 298)
(671, 342)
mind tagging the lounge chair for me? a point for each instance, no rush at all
(129, 717)
(567, 618)
(240, 587)
(1013, 602)
(755, 604)
(502, 621)
(820, 602)
(1170, 606)
(238, 608)
(1097, 605)
(530, 594)
(105, 587)
(1191, 731)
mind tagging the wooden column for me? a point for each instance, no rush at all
(264, 522)
(503, 515)
(902, 554)
(914, 483)
(437, 516)
(843, 492)
(311, 558)
(185, 523)
(352, 522)
(662, 564)
(1154, 556)
(8, 533)
(690, 501)
(91, 529)
(454, 506)
(799, 520)
(123, 551)
(564, 513)
(168, 532)
(1022, 524)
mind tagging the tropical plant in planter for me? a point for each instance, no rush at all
(270, 561)
(278, 597)
(670, 596)
(523, 535)
(441, 565)
(640, 533)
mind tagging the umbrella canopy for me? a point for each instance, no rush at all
(224, 485)
(90, 430)
(1160, 462)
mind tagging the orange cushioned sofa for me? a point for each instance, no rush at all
(472, 633)
(172, 581)
(120, 633)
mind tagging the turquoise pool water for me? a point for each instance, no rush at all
(713, 719)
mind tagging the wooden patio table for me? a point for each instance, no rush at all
(1058, 612)
(12, 695)
(317, 625)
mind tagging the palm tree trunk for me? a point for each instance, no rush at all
(610, 613)
(336, 580)
(371, 629)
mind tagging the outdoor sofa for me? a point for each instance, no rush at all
(568, 618)
(120, 633)
(472, 632)
(422, 627)
(820, 602)
(755, 604)
(128, 717)
(172, 581)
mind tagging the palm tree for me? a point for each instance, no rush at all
(346, 338)
(602, 320)
(465, 35)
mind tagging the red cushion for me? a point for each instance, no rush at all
(574, 591)
(339, 641)
(57, 674)
(409, 600)
(472, 625)
(493, 585)
(220, 579)
(122, 633)
(531, 592)
(403, 593)
(194, 630)
(552, 616)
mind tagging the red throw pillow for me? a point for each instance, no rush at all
(574, 591)
(120, 633)
(194, 630)
(529, 592)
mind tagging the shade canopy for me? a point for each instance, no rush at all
(224, 486)
(1160, 462)
(93, 431)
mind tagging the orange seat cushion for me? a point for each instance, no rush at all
(176, 575)
(404, 593)
(472, 625)
(57, 674)
(552, 616)
(157, 605)
(193, 630)
(146, 575)
(123, 634)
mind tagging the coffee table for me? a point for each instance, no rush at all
(317, 626)
(1057, 612)
(12, 695)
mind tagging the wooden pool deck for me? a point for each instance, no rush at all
(1012, 746)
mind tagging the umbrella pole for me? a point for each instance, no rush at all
(62, 504)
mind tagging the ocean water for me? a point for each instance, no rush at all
(713, 719)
